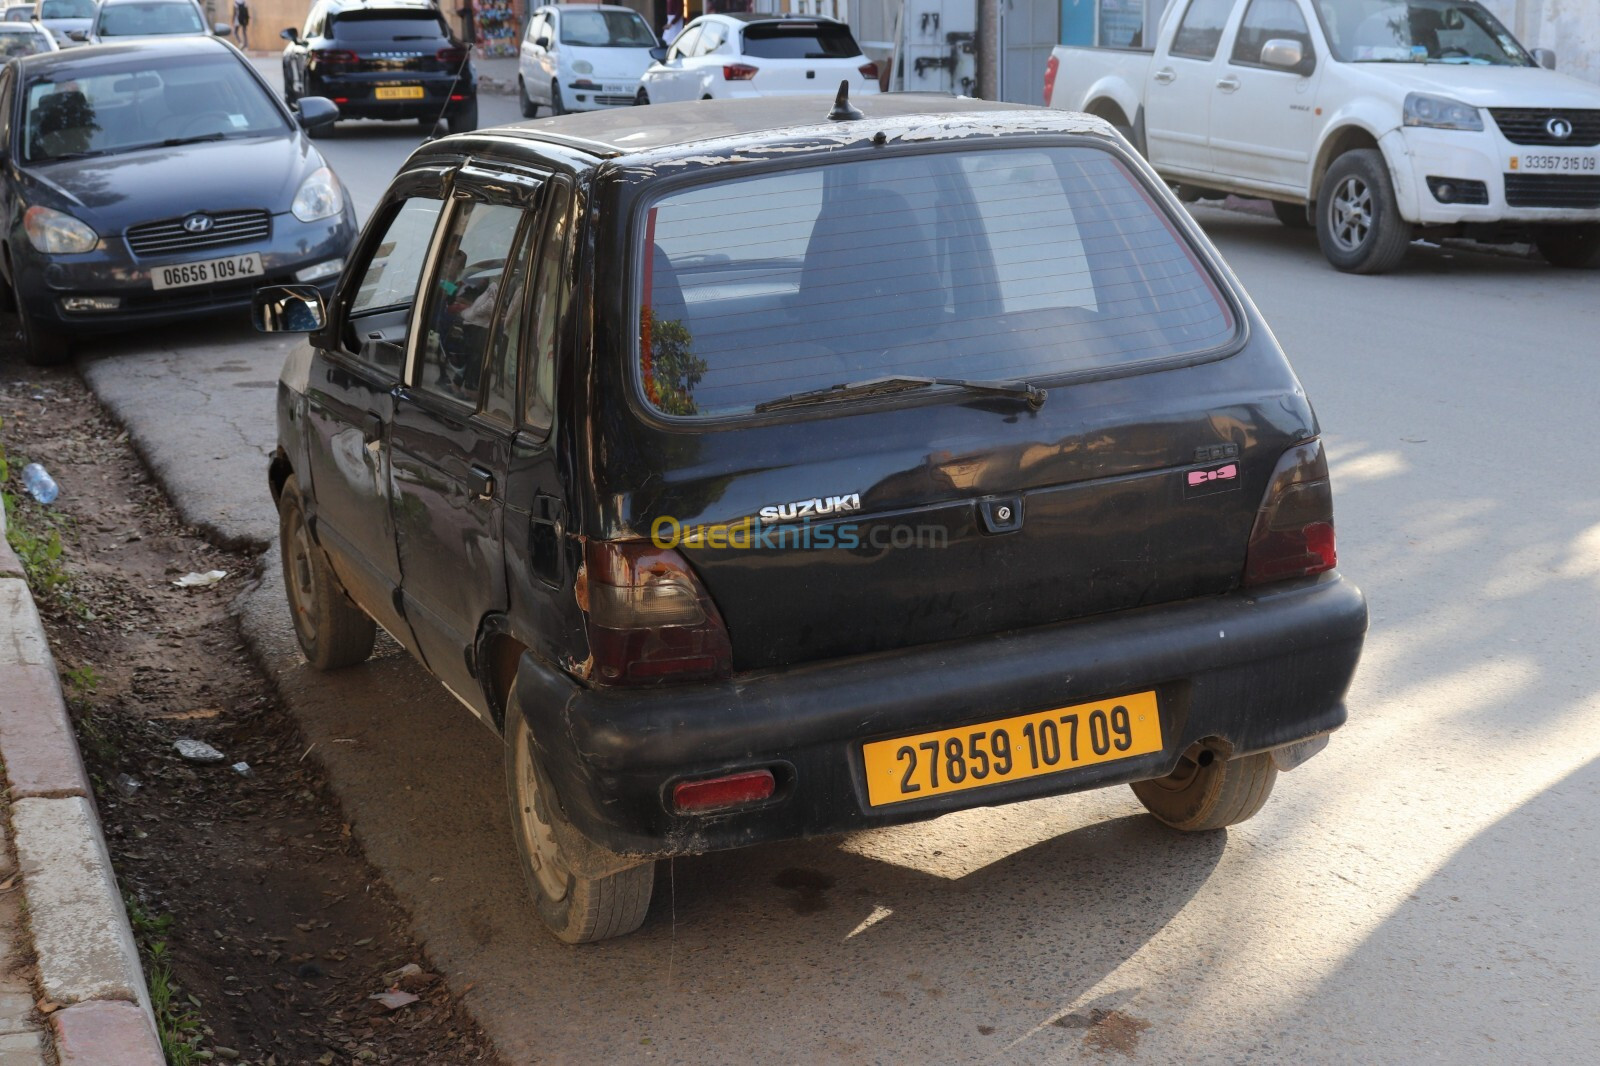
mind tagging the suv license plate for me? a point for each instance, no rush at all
(398, 92)
(1557, 163)
(205, 272)
(1010, 749)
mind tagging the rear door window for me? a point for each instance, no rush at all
(1021, 263)
(799, 40)
(1201, 29)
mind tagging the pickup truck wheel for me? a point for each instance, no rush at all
(1358, 226)
(578, 910)
(332, 631)
(1209, 791)
(1572, 247)
(1295, 216)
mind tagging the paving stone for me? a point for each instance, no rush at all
(105, 1033)
(16, 1012)
(27, 1049)
(41, 755)
(80, 930)
(22, 640)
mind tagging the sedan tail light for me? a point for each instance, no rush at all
(648, 617)
(1293, 534)
(739, 72)
(1050, 70)
(334, 57)
(869, 71)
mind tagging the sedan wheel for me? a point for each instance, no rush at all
(332, 631)
(529, 108)
(641, 98)
(577, 909)
(40, 347)
(557, 105)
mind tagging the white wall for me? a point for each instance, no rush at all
(1571, 28)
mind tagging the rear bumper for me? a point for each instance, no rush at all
(356, 94)
(1259, 671)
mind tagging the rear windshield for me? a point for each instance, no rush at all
(67, 9)
(799, 40)
(389, 25)
(26, 42)
(1018, 263)
(149, 19)
(606, 29)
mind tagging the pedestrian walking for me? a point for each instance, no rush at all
(241, 23)
(670, 31)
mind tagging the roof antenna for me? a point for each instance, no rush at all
(843, 109)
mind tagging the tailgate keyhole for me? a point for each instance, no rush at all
(1001, 514)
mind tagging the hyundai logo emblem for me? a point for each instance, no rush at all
(199, 223)
(1559, 128)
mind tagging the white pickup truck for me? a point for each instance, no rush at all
(1376, 121)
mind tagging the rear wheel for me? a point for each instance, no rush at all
(1209, 790)
(332, 631)
(40, 347)
(465, 120)
(1358, 225)
(1571, 247)
(529, 108)
(1295, 216)
(557, 105)
(578, 910)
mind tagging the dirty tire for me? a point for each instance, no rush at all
(40, 347)
(1570, 247)
(529, 108)
(1295, 216)
(1358, 225)
(332, 631)
(558, 106)
(1207, 791)
(466, 120)
(577, 910)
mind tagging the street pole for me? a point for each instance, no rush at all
(989, 16)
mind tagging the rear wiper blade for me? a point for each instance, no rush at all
(856, 390)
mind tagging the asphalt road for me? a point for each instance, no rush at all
(1422, 890)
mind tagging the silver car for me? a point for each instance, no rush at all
(126, 20)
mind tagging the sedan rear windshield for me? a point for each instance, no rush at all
(799, 40)
(1001, 264)
(606, 29)
(98, 110)
(148, 19)
(389, 25)
(67, 9)
(25, 42)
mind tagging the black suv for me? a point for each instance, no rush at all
(392, 59)
(760, 476)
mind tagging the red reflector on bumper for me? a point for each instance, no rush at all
(716, 793)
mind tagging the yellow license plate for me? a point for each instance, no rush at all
(1029, 745)
(398, 92)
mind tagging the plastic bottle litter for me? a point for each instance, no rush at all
(40, 485)
(197, 750)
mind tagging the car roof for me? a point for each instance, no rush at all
(691, 126)
(114, 3)
(767, 16)
(583, 7)
(342, 6)
(176, 47)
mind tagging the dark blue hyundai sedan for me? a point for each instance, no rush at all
(151, 182)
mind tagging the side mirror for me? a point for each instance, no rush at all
(78, 35)
(658, 54)
(317, 112)
(542, 42)
(290, 34)
(222, 29)
(1545, 57)
(288, 309)
(1284, 54)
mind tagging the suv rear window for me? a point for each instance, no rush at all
(387, 25)
(1012, 263)
(799, 40)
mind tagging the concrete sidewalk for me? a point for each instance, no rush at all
(89, 976)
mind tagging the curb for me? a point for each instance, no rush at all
(87, 958)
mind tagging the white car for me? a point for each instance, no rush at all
(125, 20)
(18, 39)
(582, 57)
(718, 57)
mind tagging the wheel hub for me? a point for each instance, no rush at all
(1351, 213)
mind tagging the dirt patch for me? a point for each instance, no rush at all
(1106, 1030)
(280, 931)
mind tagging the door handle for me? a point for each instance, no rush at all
(480, 483)
(1165, 76)
(1228, 84)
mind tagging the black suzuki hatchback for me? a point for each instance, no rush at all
(761, 473)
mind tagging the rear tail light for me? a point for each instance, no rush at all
(333, 57)
(739, 72)
(1293, 534)
(869, 71)
(720, 793)
(451, 55)
(1050, 69)
(649, 618)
